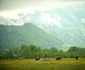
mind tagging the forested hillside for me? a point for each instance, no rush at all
(14, 36)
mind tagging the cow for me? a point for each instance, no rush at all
(76, 57)
(37, 58)
(58, 58)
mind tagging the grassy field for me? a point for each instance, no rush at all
(51, 64)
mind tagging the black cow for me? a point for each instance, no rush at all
(58, 58)
(76, 57)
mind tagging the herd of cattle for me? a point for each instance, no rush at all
(57, 58)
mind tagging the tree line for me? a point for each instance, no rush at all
(33, 51)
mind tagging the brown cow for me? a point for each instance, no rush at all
(58, 58)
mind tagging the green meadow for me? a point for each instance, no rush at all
(47, 64)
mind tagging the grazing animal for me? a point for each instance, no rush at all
(76, 57)
(37, 58)
(58, 58)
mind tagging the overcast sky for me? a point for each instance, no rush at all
(10, 8)
(33, 4)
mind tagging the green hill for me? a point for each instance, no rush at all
(15, 36)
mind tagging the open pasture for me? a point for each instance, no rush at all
(49, 64)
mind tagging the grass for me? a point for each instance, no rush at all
(52, 64)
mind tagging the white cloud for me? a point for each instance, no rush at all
(33, 4)
(48, 19)
(17, 22)
(83, 20)
(9, 14)
(25, 11)
(10, 8)
(7, 21)
(58, 18)
(14, 14)
(36, 4)
(56, 22)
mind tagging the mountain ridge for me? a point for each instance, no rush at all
(15, 36)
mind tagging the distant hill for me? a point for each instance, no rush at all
(15, 36)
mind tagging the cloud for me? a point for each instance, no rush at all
(7, 21)
(14, 13)
(48, 19)
(56, 22)
(9, 14)
(11, 8)
(83, 20)
(33, 4)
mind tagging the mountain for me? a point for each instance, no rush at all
(65, 23)
(15, 36)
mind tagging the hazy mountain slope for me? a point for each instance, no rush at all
(66, 23)
(14, 36)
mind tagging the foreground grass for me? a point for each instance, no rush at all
(52, 64)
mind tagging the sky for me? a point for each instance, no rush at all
(32, 4)
(10, 8)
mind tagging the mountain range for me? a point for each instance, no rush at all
(59, 27)
(27, 34)
(65, 23)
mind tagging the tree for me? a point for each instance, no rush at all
(10, 54)
(46, 52)
(73, 49)
(53, 49)
(16, 52)
(25, 51)
(4, 56)
(35, 50)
